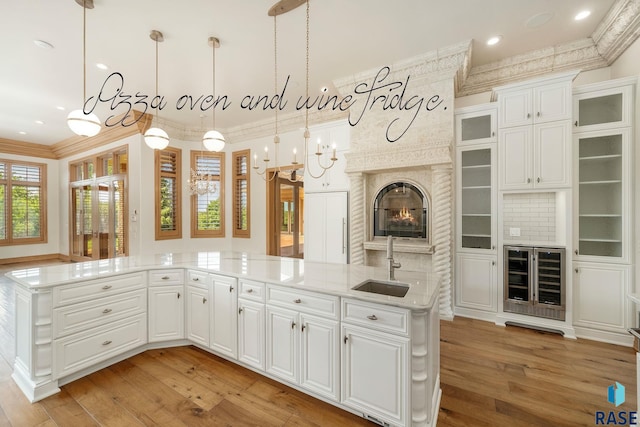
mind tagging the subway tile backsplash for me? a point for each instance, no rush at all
(533, 213)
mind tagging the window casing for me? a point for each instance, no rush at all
(207, 210)
(23, 208)
(168, 193)
(241, 192)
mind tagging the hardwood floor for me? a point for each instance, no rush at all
(490, 376)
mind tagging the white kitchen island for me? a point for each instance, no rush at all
(297, 322)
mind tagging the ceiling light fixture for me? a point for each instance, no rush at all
(78, 121)
(494, 40)
(582, 15)
(213, 140)
(155, 137)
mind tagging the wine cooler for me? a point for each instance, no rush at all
(534, 281)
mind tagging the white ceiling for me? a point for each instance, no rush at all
(347, 36)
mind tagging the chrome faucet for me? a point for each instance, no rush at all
(390, 262)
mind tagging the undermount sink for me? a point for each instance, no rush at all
(394, 289)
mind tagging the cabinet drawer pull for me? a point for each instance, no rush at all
(297, 301)
(493, 263)
(372, 317)
(528, 115)
(538, 180)
(575, 123)
(577, 271)
(166, 277)
(178, 295)
(231, 289)
(249, 291)
(105, 287)
(345, 339)
(106, 342)
(528, 180)
(293, 325)
(303, 327)
(240, 310)
(106, 311)
(539, 114)
(195, 279)
(204, 300)
(576, 252)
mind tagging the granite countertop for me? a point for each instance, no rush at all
(333, 279)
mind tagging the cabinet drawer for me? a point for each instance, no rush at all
(89, 290)
(198, 278)
(166, 277)
(251, 290)
(85, 349)
(101, 311)
(376, 316)
(303, 301)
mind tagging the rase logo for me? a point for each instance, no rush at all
(615, 396)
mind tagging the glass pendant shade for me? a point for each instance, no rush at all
(156, 138)
(213, 141)
(83, 124)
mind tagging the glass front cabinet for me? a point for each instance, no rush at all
(476, 124)
(607, 105)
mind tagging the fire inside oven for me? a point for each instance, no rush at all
(400, 210)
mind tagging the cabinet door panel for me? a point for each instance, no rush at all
(224, 326)
(551, 154)
(515, 108)
(515, 157)
(374, 371)
(319, 370)
(166, 313)
(477, 282)
(282, 343)
(198, 315)
(552, 102)
(601, 296)
(251, 333)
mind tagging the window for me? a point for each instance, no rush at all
(207, 209)
(23, 217)
(168, 193)
(241, 208)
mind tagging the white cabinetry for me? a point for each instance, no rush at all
(375, 361)
(476, 278)
(96, 320)
(198, 308)
(477, 124)
(603, 206)
(325, 225)
(302, 339)
(534, 137)
(166, 305)
(251, 321)
(224, 321)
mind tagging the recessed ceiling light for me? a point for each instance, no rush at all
(582, 15)
(43, 44)
(494, 40)
(39, 122)
(59, 107)
(22, 132)
(102, 66)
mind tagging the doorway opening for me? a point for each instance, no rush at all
(285, 217)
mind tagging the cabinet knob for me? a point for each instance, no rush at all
(575, 123)
(493, 263)
(240, 310)
(575, 252)
(106, 342)
(538, 180)
(538, 114)
(528, 180)
(178, 295)
(528, 115)
(204, 300)
(106, 311)
(493, 134)
(195, 279)
(345, 339)
(372, 317)
(493, 247)
(105, 287)
(231, 289)
(297, 301)
(165, 277)
(577, 271)
(249, 291)
(293, 325)
(303, 327)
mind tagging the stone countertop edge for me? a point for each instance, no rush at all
(331, 279)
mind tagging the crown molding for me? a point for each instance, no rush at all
(10, 146)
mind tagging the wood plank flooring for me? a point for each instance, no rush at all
(490, 376)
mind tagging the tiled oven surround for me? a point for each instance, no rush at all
(423, 155)
(533, 213)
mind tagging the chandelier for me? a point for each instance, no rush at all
(201, 180)
(292, 172)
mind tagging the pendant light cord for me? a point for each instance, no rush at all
(84, 53)
(213, 84)
(275, 63)
(156, 40)
(306, 118)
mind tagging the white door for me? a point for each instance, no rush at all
(514, 151)
(374, 373)
(552, 154)
(477, 282)
(319, 355)
(251, 333)
(314, 218)
(336, 227)
(198, 315)
(166, 313)
(282, 343)
(224, 321)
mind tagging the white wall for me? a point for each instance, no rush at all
(54, 231)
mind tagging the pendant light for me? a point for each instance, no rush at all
(155, 137)
(78, 121)
(213, 140)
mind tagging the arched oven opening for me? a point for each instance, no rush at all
(401, 210)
